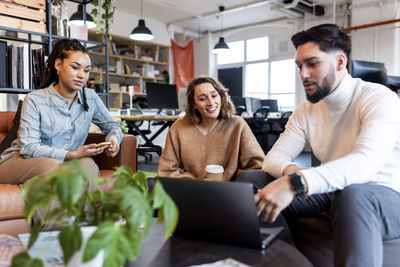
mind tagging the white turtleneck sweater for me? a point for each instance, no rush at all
(354, 132)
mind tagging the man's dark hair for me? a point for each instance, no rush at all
(329, 37)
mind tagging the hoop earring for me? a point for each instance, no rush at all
(58, 72)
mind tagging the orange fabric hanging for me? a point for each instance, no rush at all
(183, 64)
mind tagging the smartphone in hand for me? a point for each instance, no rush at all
(103, 144)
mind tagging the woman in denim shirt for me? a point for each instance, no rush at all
(55, 120)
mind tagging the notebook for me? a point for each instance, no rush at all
(223, 212)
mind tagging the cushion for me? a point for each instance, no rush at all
(12, 133)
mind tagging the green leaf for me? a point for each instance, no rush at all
(167, 210)
(117, 242)
(35, 232)
(127, 177)
(170, 216)
(70, 238)
(98, 240)
(24, 260)
(136, 209)
(70, 189)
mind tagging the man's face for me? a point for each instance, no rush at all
(317, 71)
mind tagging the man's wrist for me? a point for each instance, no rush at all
(297, 183)
(304, 181)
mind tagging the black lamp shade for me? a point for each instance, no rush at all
(141, 32)
(220, 46)
(77, 18)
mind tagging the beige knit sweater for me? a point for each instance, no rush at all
(230, 144)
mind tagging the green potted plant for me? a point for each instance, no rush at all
(103, 12)
(123, 215)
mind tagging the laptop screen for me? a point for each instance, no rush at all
(223, 212)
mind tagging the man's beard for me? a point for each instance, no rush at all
(322, 90)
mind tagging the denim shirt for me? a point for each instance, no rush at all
(48, 128)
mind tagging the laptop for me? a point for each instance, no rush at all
(223, 212)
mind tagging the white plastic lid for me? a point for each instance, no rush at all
(212, 168)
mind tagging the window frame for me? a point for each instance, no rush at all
(269, 94)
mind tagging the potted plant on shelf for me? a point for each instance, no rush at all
(103, 13)
(123, 215)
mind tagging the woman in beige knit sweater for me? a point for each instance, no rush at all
(209, 133)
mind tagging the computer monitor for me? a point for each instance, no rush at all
(162, 96)
(369, 71)
(272, 103)
(394, 83)
(238, 101)
(255, 104)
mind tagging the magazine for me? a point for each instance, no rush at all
(47, 248)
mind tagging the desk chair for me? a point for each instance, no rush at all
(278, 126)
(259, 126)
(142, 150)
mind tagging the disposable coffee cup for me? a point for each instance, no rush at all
(214, 172)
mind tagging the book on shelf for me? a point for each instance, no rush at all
(37, 67)
(25, 64)
(137, 51)
(157, 54)
(3, 65)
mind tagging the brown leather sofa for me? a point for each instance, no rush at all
(12, 219)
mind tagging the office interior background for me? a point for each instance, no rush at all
(258, 33)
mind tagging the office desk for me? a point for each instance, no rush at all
(148, 146)
(177, 252)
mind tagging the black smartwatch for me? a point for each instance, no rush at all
(297, 184)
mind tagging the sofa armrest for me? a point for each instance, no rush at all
(126, 155)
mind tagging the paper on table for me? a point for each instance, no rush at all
(229, 262)
(46, 247)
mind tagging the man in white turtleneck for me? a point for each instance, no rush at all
(353, 128)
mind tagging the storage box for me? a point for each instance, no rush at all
(29, 15)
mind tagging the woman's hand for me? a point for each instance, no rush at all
(113, 149)
(85, 151)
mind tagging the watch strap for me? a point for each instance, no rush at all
(297, 184)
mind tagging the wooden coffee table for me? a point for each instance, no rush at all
(177, 252)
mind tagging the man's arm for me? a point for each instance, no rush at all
(289, 145)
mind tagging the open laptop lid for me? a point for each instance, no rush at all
(222, 212)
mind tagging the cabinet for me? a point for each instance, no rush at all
(28, 24)
(131, 64)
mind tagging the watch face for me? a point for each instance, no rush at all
(297, 184)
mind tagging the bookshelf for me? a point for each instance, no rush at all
(131, 63)
(29, 24)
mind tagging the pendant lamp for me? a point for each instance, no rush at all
(141, 32)
(221, 46)
(77, 18)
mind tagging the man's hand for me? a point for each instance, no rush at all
(113, 149)
(85, 151)
(273, 198)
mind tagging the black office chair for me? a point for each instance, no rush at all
(278, 126)
(240, 110)
(259, 126)
(142, 150)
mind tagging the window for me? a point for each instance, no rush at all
(256, 80)
(283, 82)
(264, 77)
(235, 54)
(257, 49)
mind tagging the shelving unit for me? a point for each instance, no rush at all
(40, 34)
(127, 72)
